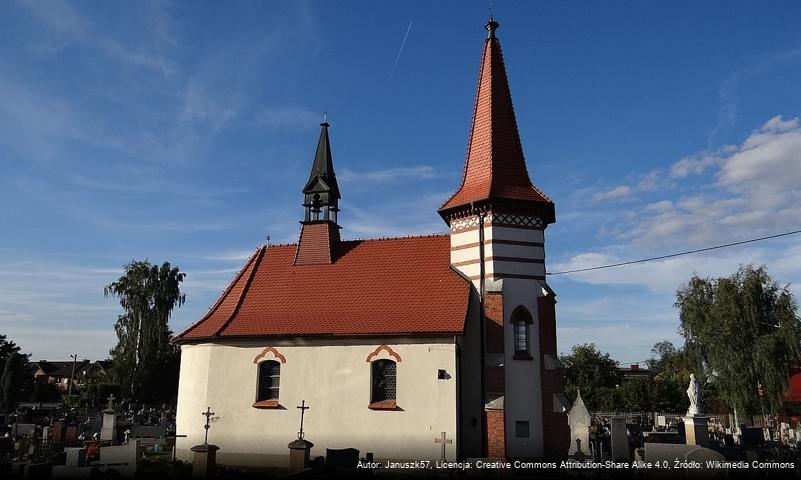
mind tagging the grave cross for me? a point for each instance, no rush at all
(302, 407)
(111, 399)
(443, 441)
(208, 413)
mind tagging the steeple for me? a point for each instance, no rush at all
(321, 193)
(319, 232)
(495, 169)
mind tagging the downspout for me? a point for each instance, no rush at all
(482, 331)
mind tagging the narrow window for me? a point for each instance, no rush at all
(521, 320)
(383, 381)
(269, 380)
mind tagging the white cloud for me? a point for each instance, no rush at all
(390, 175)
(621, 191)
(289, 118)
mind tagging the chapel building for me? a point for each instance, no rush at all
(392, 342)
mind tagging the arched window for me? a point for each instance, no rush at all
(383, 384)
(521, 320)
(269, 380)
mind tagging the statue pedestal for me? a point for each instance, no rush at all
(109, 429)
(205, 461)
(696, 429)
(299, 455)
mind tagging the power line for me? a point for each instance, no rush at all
(688, 252)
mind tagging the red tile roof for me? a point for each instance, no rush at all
(382, 287)
(495, 167)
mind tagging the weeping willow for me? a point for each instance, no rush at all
(144, 357)
(745, 331)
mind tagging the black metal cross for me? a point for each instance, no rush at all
(302, 407)
(208, 413)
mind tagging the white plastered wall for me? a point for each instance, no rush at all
(334, 379)
(523, 396)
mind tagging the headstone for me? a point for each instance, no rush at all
(26, 429)
(620, 440)
(299, 455)
(71, 435)
(341, 459)
(751, 437)
(109, 428)
(579, 420)
(696, 430)
(122, 459)
(441, 440)
(75, 457)
(205, 461)
(661, 421)
(148, 431)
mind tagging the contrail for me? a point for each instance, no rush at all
(400, 51)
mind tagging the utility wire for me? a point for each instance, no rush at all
(689, 252)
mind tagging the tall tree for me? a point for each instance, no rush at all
(12, 382)
(747, 334)
(595, 373)
(144, 360)
(7, 347)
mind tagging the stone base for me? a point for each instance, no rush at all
(205, 461)
(299, 455)
(696, 430)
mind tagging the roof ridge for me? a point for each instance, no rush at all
(222, 296)
(244, 291)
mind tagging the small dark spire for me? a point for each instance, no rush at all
(491, 26)
(321, 192)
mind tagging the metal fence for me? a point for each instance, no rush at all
(670, 417)
(724, 419)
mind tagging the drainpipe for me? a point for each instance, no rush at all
(482, 331)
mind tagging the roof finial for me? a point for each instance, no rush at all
(325, 120)
(491, 26)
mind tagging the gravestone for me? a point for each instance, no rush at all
(340, 459)
(579, 420)
(71, 435)
(696, 426)
(109, 429)
(619, 440)
(75, 457)
(148, 431)
(751, 437)
(122, 459)
(661, 421)
(26, 429)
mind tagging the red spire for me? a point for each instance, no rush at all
(495, 168)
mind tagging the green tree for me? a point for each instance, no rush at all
(595, 373)
(7, 347)
(13, 382)
(145, 362)
(745, 332)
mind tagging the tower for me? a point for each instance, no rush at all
(497, 221)
(319, 231)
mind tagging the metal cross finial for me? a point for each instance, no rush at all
(443, 441)
(325, 117)
(302, 407)
(208, 413)
(111, 399)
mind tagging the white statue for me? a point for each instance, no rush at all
(694, 392)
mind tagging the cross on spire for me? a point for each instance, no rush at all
(208, 414)
(441, 439)
(302, 407)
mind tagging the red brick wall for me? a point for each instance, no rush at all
(556, 431)
(496, 441)
(316, 241)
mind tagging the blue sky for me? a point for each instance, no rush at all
(184, 131)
